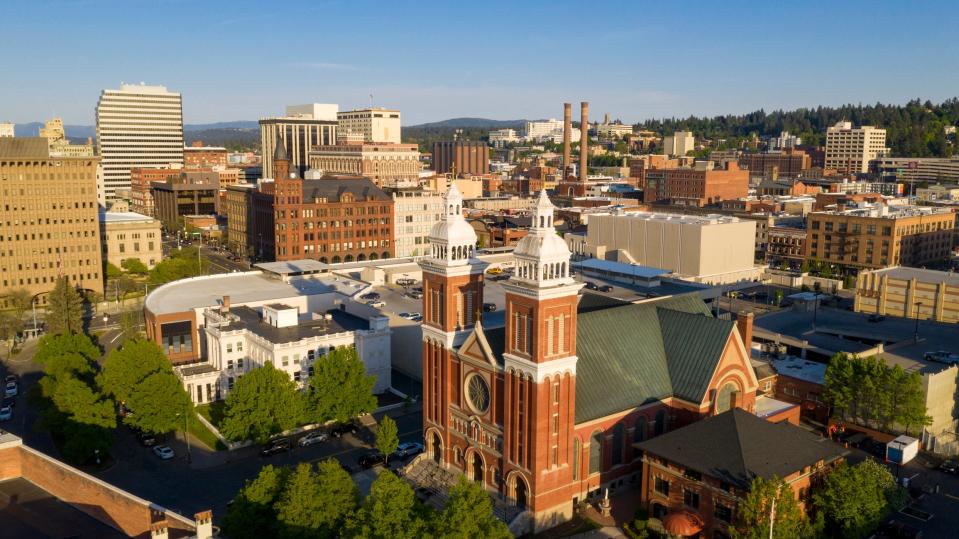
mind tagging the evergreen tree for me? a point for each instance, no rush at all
(64, 308)
(262, 403)
(340, 389)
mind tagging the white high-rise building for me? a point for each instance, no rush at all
(303, 127)
(537, 131)
(681, 143)
(375, 124)
(6, 129)
(849, 149)
(138, 126)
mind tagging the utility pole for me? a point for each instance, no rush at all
(772, 512)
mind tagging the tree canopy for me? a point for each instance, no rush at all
(869, 392)
(391, 511)
(469, 513)
(387, 437)
(753, 514)
(854, 499)
(180, 264)
(64, 308)
(134, 265)
(340, 389)
(140, 376)
(262, 403)
(251, 516)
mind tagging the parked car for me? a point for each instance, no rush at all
(370, 296)
(165, 452)
(606, 288)
(377, 304)
(417, 318)
(591, 286)
(489, 307)
(406, 282)
(340, 429)
(9, 401)
(6, 413)
(495, 270)
(147, 439)
(876, 318)
(942, 356)
(371, 459)
(276, 447)
(10, 378)
(12, 389)
(414, 294)
(950, 466)
(408, 449)
(314, 437)
(899, 530)
(411, 316)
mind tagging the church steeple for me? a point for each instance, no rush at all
(542, 257)
(452, 239)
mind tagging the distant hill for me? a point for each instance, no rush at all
(237, 135)
(473, 123)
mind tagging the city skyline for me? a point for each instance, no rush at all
(519, 62)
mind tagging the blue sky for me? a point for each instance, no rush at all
(240, 60)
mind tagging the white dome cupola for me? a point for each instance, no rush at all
(542, 257)
(452, 239)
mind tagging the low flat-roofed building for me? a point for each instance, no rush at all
(909, 293)
(125, 234)
(709, 249)
(44, 497)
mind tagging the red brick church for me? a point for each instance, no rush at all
(544, 407)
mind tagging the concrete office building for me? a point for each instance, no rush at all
(303, 127)
(137, 126)
(539, 130)
(49, 222)
(611, 132)
(710, 249)
(679, 143)
(191, 193)
(375, 124)
(124, 234)
(59, 144)
(916, 169)
(141, 187)
(7, 129)
(849, 150)
(909, 293)
(877, 236)
(499, 138)
(386, 163)
(415, 211)
(466, 157)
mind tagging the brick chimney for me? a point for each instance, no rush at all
(226, 305)
(744, 324)
(583, 139)
(204, 524)
(567, 130)
(159, 530)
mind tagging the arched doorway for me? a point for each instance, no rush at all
(348, 258)
(474, 467)
(518, 490)
(436, 448)
(361, 257)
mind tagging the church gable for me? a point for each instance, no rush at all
(733, 370)
(477, 347)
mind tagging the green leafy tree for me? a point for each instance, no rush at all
(134, 265)
(387, 437)
(112, 271)
(64, 308)
(340, 389)
(753, 514)
(469, 513)
(262, 403)
(339, 497)
(854, 499)
(10, 325)
(252, 516)
(20, 300)
(836, 385)
(391, 511)
(130, 322)
(301, 509)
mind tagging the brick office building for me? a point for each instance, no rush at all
(786, 164)
(141, 185)
(697, 186)
(332, 219)
(694, 478)
(544, 409)
(197, 155)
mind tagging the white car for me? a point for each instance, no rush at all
(11, 389)
(408, 449)
(377, 304)
(165, 452)
(314, 437)
(6, 413)
(411, 316)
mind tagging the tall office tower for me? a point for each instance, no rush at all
(679, 144)
(375, 124)
(849, 150)
(137, 126)
(48, 220)
(303, 127)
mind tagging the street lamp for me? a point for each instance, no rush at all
(916, 330)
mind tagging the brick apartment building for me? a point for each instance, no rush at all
(880, 236)
(698, 186)
(785, 164)
(785, 244)
(141, 184)
(197, 155)
(333, 219)
(469, 158)
(694, 477)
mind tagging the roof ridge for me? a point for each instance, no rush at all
(739, 441)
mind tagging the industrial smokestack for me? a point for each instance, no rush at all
(583, 138)
(567, 129)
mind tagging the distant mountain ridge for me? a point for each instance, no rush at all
(83, 131)
(472, 123)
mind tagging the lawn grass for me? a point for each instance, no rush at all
(200, 432)
(212, 412)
